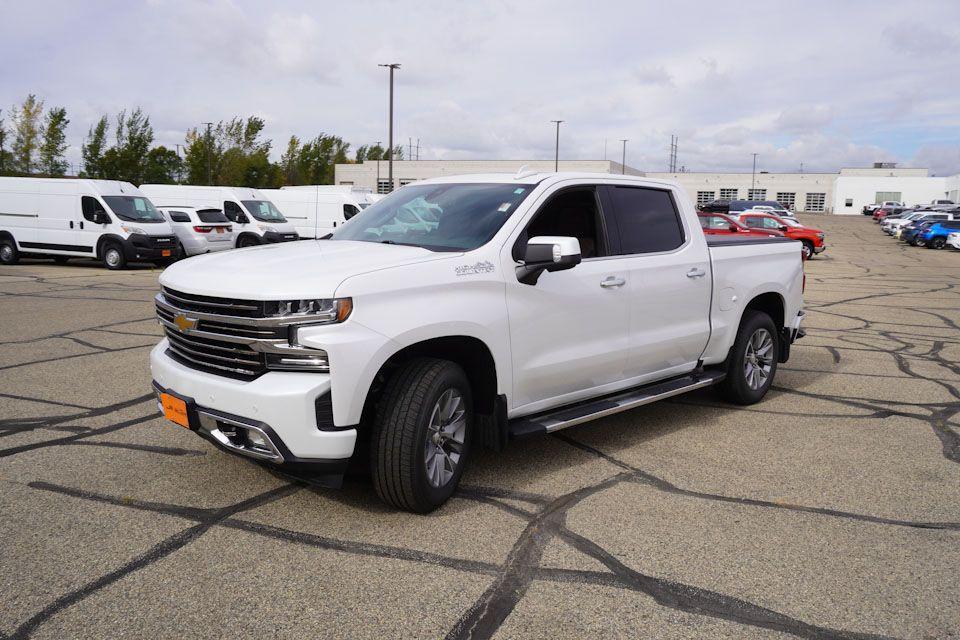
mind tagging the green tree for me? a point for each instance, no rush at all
(127, 159)
(93, 149)
(4, 154)
(26, 132)
(54, 143)
(231, 153)
(163, 166)
(313, 162)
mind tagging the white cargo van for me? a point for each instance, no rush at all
(255, 219)
(315, 210)
(66, 217)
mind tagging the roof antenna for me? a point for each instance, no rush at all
(523, 172)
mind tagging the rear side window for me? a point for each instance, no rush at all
(178, 216)
(647, 219)
(211, 215)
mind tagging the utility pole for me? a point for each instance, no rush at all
(206, 144)
(623, 161)
(801, 166)
(379, 155)
(753, 175)
(604, 148)
(556, 151)
(180, 166)
(393, 66)
(674, 140)
(418, 148)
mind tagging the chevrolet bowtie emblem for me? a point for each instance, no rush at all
(184, 323)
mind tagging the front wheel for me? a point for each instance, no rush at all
(807, 250)
(752, 363)
(247, 241)
(113, 257)
(421, 435)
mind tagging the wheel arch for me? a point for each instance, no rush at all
(107, 238)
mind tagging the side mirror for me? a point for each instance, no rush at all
(548, 253)
(734, 228)
(101, 217)
(784, 228)
(242, 218)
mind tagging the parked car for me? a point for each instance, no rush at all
(812, 239)
(255, 219)
(739, 206)
(885, 211)
(65, 218)
(721, 205)
(891, 224)
(723, 225)
(942, 202)
(496, 324)
(953, 240)
(870, 209)
(912, 233)
(935, 236)
(199, 230)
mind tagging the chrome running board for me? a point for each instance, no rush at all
(570, 415)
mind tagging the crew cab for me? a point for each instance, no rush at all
(536, 302)
(811, 239)
(719, 224)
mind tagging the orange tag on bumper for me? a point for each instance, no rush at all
(165, 253)
(175, 409)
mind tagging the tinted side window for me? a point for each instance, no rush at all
(349, 211)
(647, 219)
(232, 210)
(90, 205)
(178, 216)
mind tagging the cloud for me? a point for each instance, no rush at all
(654, 75)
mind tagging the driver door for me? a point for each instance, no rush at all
(569, 332)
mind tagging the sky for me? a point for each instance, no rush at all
(826, 84)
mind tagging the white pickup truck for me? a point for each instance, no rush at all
(463, 312)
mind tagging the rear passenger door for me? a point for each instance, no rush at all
(669, 282)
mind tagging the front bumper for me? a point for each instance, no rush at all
(284, 401)
(141, 247)
(274, 236)
(819, 249)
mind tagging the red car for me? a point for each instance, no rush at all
(883, 212)
(724, 225)
(812, 239)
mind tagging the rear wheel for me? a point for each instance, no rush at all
(8, 251)
(752, 363)
(113, 256)
(807, 249)
(421, 435)
(937, 243)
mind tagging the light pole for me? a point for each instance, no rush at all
(180, 166)
(207, 147)
(753, 174)
(623, 161)
(393, 66)
(556, 151)
(379, 155)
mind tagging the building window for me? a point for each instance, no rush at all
(348, 182)
(757, 194)
(848, 202)
(404, 181)
(384, 186)
(705, 197)
(815, 202)
(787, 200)
(729, 194)
(888, 196)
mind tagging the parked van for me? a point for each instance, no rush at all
(255, 219)
(199, 230)
(316, 210)
(66, 217)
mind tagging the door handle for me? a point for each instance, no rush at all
(81, 224)
(696, 272)
(71, 224)
(612, 282)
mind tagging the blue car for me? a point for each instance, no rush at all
(913, 232)
(935, 235)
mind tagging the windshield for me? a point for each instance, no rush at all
(133, 209)
(263, 210)
(438, 217)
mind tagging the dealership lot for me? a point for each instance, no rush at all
(829, 510)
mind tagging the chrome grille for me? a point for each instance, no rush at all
(221, 306)
(231, 357)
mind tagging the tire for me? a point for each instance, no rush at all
(60, 259)
(745, 382)
(113, 257)
(405, 434)
(937, 243)
(247, 241)
(807, 249)
(8, 251)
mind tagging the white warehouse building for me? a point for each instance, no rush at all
(845, 192)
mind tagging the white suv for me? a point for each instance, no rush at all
(199, 230)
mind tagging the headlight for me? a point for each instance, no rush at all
(312, 311)
(133, 230)
(265, 227)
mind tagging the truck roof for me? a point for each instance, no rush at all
(538, 177)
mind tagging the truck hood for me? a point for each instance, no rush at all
(288, 271)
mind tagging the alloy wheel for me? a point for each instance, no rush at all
(446, 433)
(758, 359)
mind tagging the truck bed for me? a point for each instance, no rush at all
(733, 241)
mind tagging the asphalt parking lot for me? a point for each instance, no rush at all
(831, 510)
